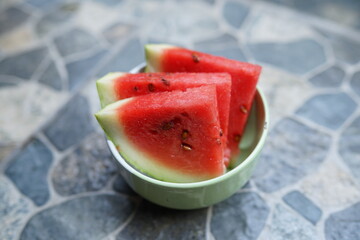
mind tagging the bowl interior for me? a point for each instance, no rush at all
(250, 145)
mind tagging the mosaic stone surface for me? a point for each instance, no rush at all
(94, 218)
(29, 171)
(58, 179)
(282, 162)
(329, 110)
(71, 124)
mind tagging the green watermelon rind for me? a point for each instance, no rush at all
(108, 120)
(152, 55)
(105, 88)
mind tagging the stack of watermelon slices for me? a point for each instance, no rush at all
(182, 120)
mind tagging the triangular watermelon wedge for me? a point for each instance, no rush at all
(171, 136)
(168, 58)
(116, 86)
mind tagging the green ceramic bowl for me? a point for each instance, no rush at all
(205, 193)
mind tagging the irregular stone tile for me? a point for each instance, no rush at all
(331, 77)
(287, 225)
(280, 89)
(344, 12)
(29, 169)
(344, 224)
(355, 82)
(24, 108)
(110, 3)
(282, 162)
(9, 81)
(303, 206)
(292, 56)
(349, 147)
(220, 42)
(56, 18)
(51, 77)
(71, 124)
(329, 110)
(331, 187)
(24, 64)
(267, 25)
(13, 210)
(155, 222)
(345, 49)
(131, 55)
(20, 38)
(74, 41)
(121, 186)
(88, 168)
(11, 18)
(91, 217)
(242, 216)
(43, 4)
(235, 13)
(95, 16)
(172, 25)
(118, 32)
(81, 70)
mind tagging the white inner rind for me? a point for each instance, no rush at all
(109, 121)
(153, 52)
(106, 89)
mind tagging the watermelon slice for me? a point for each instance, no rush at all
(167, 58)
(172, 136)
(116, 86)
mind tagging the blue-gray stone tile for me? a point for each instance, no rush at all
(355, 82)
(121, 186)
(303, 206)
(220, 42)
(88, 168)
(131, 54)
(243, 216)
(292, 151)
(71, 124)
(43, 4)
(24, 64)
(286, 225)
(349, 147)
(235, 13)
(118, 32)
(344, 12)
(110, 3)
(14, 208)
(29, 169)
(297, 57)
(51, 77)
(332, 77)
(80, 71)
(155, 222)
(345, 49)
(84, 218)
(11, 18)
(344, 224)
(330, 110)
(74, 41)
(56, 17)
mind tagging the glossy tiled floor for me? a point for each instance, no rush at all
(57, 178)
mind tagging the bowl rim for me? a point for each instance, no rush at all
(208, 182)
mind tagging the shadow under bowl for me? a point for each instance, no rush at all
(204, 193)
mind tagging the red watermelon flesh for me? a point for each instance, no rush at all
(125, 85)
(172, 136)
(167, 58)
